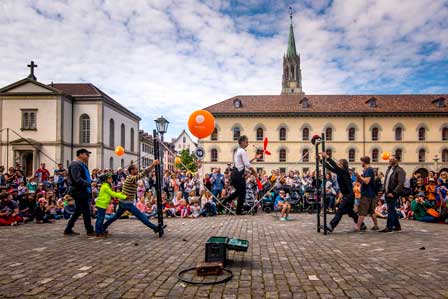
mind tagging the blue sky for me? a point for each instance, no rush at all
(172, 57)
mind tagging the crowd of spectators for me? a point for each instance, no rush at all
(45, 197)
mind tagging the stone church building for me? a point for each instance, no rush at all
(42, 123)
(415, 126)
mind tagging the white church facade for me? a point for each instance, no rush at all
(42, 123)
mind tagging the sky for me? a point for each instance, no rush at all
(163, 57)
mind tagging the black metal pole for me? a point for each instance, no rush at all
(317, 185)
(324, 183)
(158, 185)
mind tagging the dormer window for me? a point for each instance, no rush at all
(305, 103)
(440, 102)
(372, 103)
(237, 103)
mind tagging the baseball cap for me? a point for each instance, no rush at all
(421, 194)
(82, 151)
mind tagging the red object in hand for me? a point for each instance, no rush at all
(265, 145)
(260, 186)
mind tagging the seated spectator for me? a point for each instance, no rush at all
(381, 209)
(9, 210)
(151, 208)
(27, 205)
(184, 209)
(31, 185)
(69, 207)
(281, 204)
(195, 210)
(41, 215)
(21, 190)
(209, 206)
(357, 191)
(431, 192)
(420, 207)
(140, 189)
(52, 206)
(141, 206)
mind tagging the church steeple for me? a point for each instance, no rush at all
(292, 74)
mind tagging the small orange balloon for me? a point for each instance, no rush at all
(385, 156)
(177, 160)
(119, 151)
(201, 123)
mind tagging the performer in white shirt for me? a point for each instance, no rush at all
(241, 164)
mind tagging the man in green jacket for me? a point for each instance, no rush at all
(103, 201)
(419, 206)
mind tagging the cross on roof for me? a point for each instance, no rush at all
(32, 66)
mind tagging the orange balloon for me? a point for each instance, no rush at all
(119, 151)
(177, 160)
(385, 156)
(201, 123)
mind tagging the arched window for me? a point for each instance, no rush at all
(375, 155)
(215, 134)
(214, 155)
(305, 134)
(329, 153)
(84, 132)
(132, 139)
(351, 155)
(111, 163)
(399, 154)
(329, 134)
(282, 134)
(123, 136)
(111, 133)
(236, 133)
(260, 134)
(445, 155)
(421, 155)
(305, 156)
(282, 155)
(260, 152)
(421, 134)
(398, 133)
(445, 133)
(122, 163)
(351, 134)
(375, 133)
(292, 72)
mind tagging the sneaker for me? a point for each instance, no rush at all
(329, 228)
(386, 230)
(363, 227)
(286, 218)
(72, 233)
(375, 228)
(282, 219)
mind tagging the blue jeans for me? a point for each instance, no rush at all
(123, 207)
(216, 193)
(392, 215)
(100, 215)
(428, 218)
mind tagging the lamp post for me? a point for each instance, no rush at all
(162, 127)
(436, 160)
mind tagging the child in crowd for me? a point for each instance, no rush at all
(209, 207)
(381, 209)
(41, 213)
(357, 191)
(31, 185)
(69, 206)
(195, 210)
(151, 208)
(405, 207)
(141, 205)
(21, 189)
(141, 189)
(184, 209)
(102, 203)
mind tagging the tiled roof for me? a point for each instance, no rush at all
(338, 104)
(77, 89)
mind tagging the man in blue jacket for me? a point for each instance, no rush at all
(81, 191)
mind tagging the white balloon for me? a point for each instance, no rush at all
(200, 119)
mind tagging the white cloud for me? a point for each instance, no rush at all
(172, 57)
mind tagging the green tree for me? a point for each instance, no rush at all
(189, 161)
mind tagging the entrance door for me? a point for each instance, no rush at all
(27, 162)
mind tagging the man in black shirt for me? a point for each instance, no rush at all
(346, 186)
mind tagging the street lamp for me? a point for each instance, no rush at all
(162, 128)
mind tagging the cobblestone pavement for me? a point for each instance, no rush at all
(285, 260)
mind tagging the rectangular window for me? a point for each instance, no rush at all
(29, 119)
(282, 170)
(259, 169)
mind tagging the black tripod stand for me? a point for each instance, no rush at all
(321, 193)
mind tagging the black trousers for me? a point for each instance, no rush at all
(345, 207)
(82, 207)
(239, 183)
